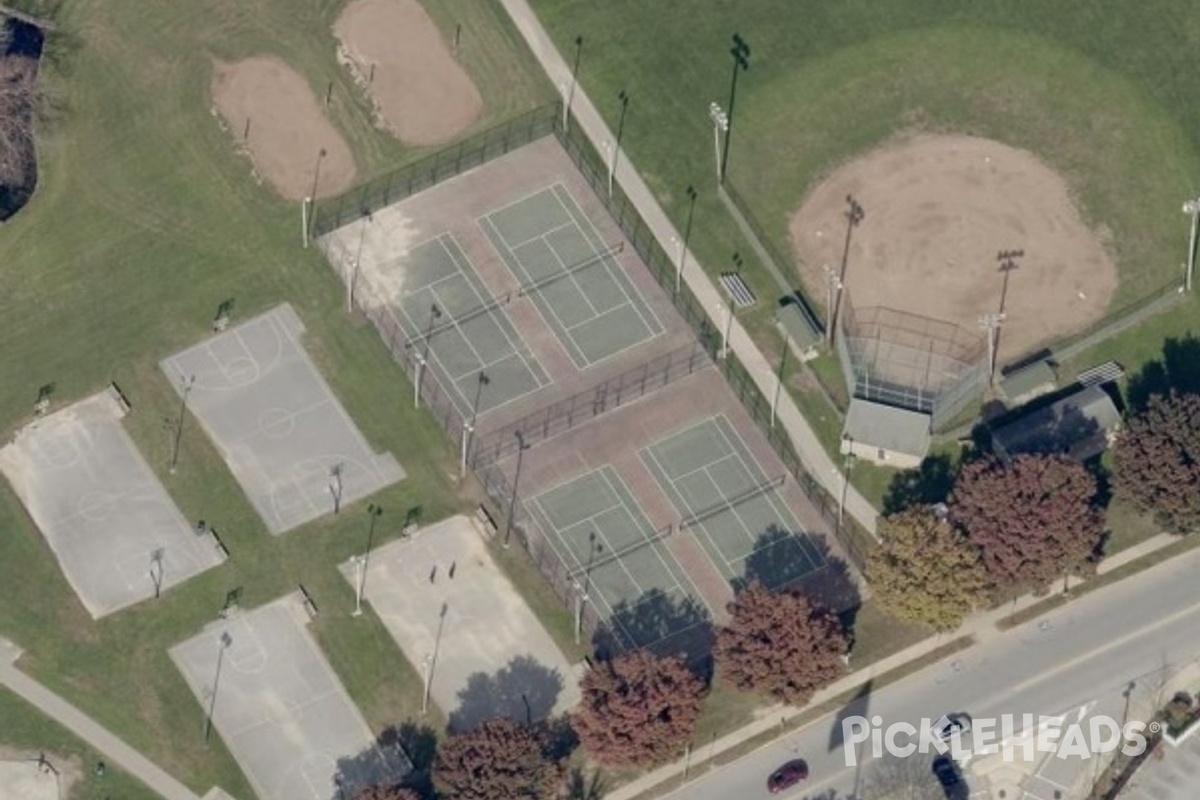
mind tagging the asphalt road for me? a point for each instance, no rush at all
(1078, 660)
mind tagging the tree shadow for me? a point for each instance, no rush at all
(400, 756)
(581, 786)
(524, 691)
(927, 485)
(1178, 370)
(664, 624)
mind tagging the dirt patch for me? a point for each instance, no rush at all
(20, 50)
(34, 775)
(396, 52)
(937, 210)
(278, 121)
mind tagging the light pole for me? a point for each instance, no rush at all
(580, 598)
(727, 328)
(574, 80)
(469, 427)
(186, 384)
(787, 343)
(225, 641)
(833, 297)
(374, 512)
(435, 314)
(426, 679)
(720, 121)
(741, 61)
(687, 235)
(312, 197)
(352, 279)
(623, 96)
(848, 462)
(991, 324)
(512, 503)
(1191, 207)
(854, 216)
(1008, 262)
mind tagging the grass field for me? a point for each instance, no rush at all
(1097, 92)
(143, 222)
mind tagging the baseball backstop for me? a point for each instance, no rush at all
(910, 361)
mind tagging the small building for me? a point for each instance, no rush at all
(883, 434)
(1024, 384)
(802, 331)
(1080, 425)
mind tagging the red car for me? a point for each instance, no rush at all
(787, 776)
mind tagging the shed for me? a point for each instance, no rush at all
(883, 434)
(1034, 380)
(1080, 425)
(802, 332)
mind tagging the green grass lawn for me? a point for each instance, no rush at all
(144, 220)
(26, 728)
(1098, 93)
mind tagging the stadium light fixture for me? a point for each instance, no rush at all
(741, 62)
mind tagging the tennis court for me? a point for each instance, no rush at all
(614, 553)
(573, 278)
(456, 325)
(726, 500)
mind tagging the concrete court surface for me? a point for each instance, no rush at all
(111, 524)
(277, 703)
(24, 780)
(292, 447)
(488, 654)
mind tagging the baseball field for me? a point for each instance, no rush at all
(1084, 104)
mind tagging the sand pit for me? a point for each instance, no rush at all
(275, 116)
(938, 209)
(397, 53)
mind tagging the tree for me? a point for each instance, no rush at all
(498, 760)
(386, 793)
(781, 643)
(1034, 517)
(925, 570)
(637, 709)
(1156, 462)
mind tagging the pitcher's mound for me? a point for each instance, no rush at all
(937, 210)
(396, 51)
(273, 114)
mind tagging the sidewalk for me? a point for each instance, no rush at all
(86, 728)
(977, 627)
(808, 448)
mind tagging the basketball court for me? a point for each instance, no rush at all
(454, 613)
(275, 701)
(118, 537)
(292, 447)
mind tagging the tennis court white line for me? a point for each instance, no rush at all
(541, 236)
(529, 195)
(490, 312)
(783, 514)
(650, 452)
(653, 545)
(596, 237)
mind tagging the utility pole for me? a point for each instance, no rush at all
(623, 96)
(512, 503)
(574, 81)
(687, 235)
(469, 427)
(720, 121)
(854, 216)
(833, 285)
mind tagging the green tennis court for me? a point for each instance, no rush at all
(572, 276)
(727, 501)
(454, 323)
(611, 550)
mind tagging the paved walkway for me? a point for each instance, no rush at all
(811, 453)
(83, 726)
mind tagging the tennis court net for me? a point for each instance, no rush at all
(730, 503)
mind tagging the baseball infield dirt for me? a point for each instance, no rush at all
(937, 210)
(396, 52)
(274, 115)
